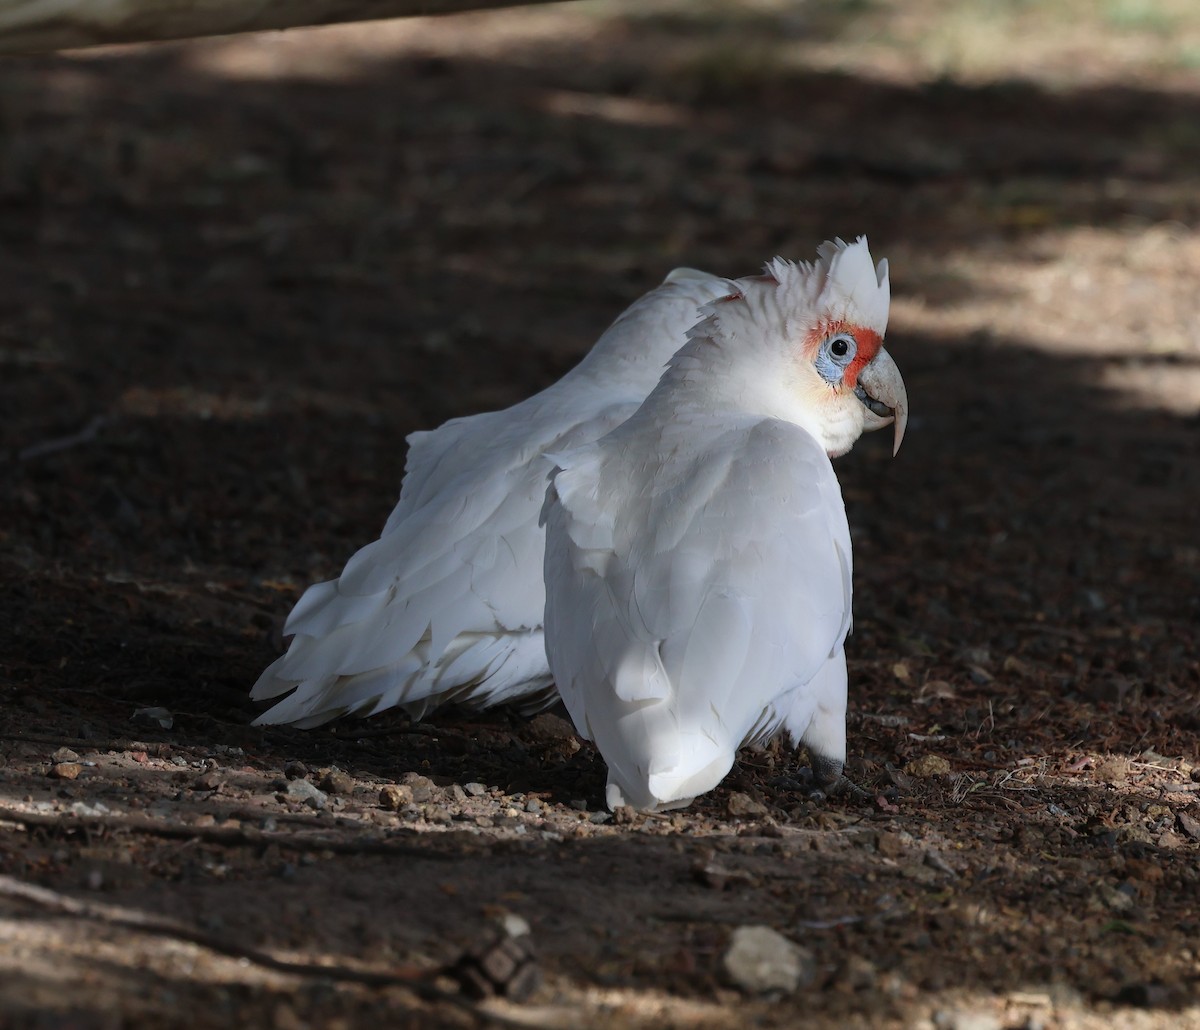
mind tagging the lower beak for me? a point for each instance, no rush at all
(881, 390)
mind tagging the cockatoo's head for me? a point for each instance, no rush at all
(825, 320)
(836, 309)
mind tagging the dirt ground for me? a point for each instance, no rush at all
(235, 273)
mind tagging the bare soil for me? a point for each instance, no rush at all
(234, 274)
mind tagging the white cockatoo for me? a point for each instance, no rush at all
(698, 558)
(447, 604)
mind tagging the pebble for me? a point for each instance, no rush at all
(66, 770)
(514, 925)
(64, 754)
(295, 770)
(211, 780)
(83, 808)
(743, 806)
(335, 781)
(1112, 898)
(928, 766)
(304, 791)
(1190, 825)
(546, 727)
(533, 805)
(475, 789)
(421, 786)
(760, 960)
(394, 797)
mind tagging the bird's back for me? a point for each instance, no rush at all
(697, 576)
(447, 604)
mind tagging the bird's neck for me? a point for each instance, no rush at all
(709, 376)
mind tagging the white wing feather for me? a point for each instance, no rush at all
(447, 604)
(695, 604)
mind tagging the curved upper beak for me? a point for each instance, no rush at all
(881, 389)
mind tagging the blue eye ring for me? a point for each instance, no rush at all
(841, 348)
(837, 353)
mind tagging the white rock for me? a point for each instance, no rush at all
(759, 961)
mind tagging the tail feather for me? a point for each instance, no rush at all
(481, 669)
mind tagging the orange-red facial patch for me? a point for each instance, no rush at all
(867, 342)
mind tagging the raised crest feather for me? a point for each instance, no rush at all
(843, 281)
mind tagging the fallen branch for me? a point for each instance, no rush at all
(222, 836)
(418, 980)
(62, 443)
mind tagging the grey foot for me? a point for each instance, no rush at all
(831, 782)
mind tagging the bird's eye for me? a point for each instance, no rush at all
(841, 347)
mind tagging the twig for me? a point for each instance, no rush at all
(116, 915)
(417, 980)
(62, 443)
(223, 836)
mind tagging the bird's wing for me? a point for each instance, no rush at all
(468, 559)
(460, 557)
(624, 364)
(683, 611)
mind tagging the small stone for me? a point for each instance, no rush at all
(979, 675)
(66, 770)
(514, 925)
(601, 817)
(295, 770)
(211, 780)
(64, 754)
(83, 808)
(1112, 898)
(160, 716)
(394, 797)
(890, 845)
(304, 791)
(421, 786)
(1112, 770)
(760, 960)
(718, 877)
(1190, 825)
(436, 814)
(578, 804)
(337, 782)
(546, 727)
(928, 766)
(475, 789)
(743, 806)
(533, 805)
